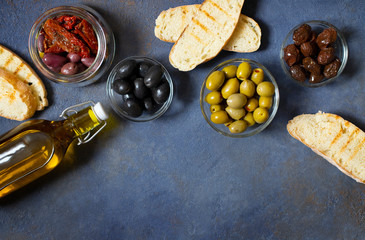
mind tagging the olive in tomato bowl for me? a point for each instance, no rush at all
(72, 44)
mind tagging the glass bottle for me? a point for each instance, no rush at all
(36, 147)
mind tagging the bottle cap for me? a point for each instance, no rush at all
(100, 112)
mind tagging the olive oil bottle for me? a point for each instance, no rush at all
(35, 147)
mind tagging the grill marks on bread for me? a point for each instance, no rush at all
(170, 24)
(12, 63)
(337, 140)
(206, 34)
(16, 99)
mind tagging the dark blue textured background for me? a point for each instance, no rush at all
(175, 177)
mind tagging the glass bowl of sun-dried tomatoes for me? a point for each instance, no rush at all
(72, 45)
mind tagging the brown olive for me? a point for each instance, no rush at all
(326, 37)
(326, 56)
(291, 55)
(311, 65)
(315, 78)
(302, 34)
(307, 49)
(331, 69)
(298, 73)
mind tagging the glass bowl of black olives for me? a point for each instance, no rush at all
(314, 53)
(239, 98)
(140, 89)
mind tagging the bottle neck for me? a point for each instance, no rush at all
(81, 123)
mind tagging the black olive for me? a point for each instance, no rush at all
(128, 96)
(127, 69)
(122, 86)
(148, 104)
(153, 76)
(132, 107)
(161, 93)
(143, 69)
(140, 90)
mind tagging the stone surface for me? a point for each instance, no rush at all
(175, 177)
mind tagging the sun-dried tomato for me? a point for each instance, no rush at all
(65, 39)
(49, 45)
(68, 22)
(86, 32)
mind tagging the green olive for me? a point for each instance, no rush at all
(243, 70)
(214, 97)
(265, 102)
(215, 108)
(228, 123)
(260, 115)
(230, 86)
(251, 104)
(219, 117)
(237, 100)
(236, 113)
(215, 80)
(248, 88)
(230, 71)
(249, 119)
(238, 126)
(265, 89)
(257, 75)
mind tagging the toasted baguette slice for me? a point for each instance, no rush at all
(206, 34)
(246, 37)
(14, 64)
(16, 99)
(172, 22)
(335, 139)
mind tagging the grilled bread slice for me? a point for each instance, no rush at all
(14, 64)
(16, 99)
(172, 22)
(206, 34)
(335, 139)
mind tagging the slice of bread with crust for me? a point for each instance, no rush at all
(206, 34)
(335, 139)
(172, 22)
(14, 64)
(246, 37)
(16, 99)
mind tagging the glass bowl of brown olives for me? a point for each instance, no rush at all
(140, 89)
(314, 53)
(239, 98)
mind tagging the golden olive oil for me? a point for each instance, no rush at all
(35, 147)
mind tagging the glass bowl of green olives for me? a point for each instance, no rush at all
(140, 89)
(239, 98)
(314, 53)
